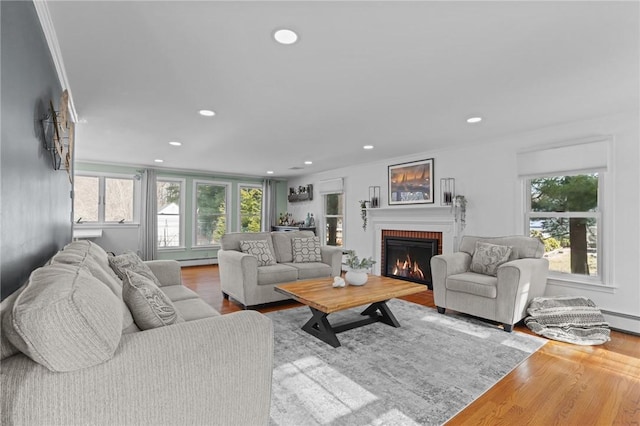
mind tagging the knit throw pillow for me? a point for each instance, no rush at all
(150, 307)
(260, 250)
(488, 257)
(306, 250)
(130, 261)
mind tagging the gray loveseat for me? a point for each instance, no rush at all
(502, 297)
(96, 367)
(242, 279)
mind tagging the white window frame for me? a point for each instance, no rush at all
(239, 203)
(137, 195)
(601, 277)
(194, 213)
(325, 216)
(181, 245)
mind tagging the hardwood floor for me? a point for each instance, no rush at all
(561, 384)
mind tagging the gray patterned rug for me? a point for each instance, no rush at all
(422, 373)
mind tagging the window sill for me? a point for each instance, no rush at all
(96, 225)
(204, 248)
(170, 249)
(584, 285)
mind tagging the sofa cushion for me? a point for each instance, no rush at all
(195, 309)
(282, 242)
(178, 292)
(521, 246)
(65, 319)
(150, 307)
(275, 274)
(311, 270)
(260, 250)
(472, 283)
(80, 255)
(306, 250)
(130, 261)
(488, 257)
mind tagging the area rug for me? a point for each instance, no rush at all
(422, 373)
(568, 319)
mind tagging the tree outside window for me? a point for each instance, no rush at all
(334, 219)
(103, 199)
(564, 214)
(211, 213)
(250, 208)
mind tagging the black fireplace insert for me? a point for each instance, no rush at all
(409, 259)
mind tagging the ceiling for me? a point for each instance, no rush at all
(401, 76)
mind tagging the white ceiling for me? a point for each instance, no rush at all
(402, 76)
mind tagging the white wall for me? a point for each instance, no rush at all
(486, 174)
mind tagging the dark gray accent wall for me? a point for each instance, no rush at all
(35, 204)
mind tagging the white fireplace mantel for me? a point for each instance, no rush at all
(412, 218)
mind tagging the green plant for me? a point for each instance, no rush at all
(363, 213)
(354, 262)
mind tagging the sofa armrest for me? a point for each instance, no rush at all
(167, 271)
(442, 266)
(214, 371)
(519, 281)
(332, 256)
(237, 271)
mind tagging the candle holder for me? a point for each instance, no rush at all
(374, 196)
(447, 191)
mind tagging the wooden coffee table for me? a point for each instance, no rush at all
(323, 299)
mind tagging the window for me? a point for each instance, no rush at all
(210, 222)
(564, 212)
(334, 219)
(170, 207)
(250, 208)
(104, 199)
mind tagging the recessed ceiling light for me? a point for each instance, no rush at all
(368, 147)
(285, 36)
(175, 143)
(157, 160)
(206, 112)
(474, 120)
(308, 162)
(269, 172)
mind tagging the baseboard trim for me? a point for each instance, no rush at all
(199, 262)
(625, 323)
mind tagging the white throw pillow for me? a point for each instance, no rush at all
(306, 250)
(260, 250)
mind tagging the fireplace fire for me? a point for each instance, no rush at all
(409, 258)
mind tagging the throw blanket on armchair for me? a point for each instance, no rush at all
(568, 319)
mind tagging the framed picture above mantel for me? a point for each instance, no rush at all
(411, 183)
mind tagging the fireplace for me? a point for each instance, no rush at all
(406, 255)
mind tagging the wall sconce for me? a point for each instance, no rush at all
(447, 191)
(374, 196)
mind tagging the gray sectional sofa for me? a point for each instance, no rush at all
(73, 355)
(242, 279)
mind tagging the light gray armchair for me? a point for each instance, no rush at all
(502, 298)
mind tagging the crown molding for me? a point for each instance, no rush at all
(42, 10)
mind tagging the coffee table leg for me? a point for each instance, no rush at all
(319, 327)
(385, 315)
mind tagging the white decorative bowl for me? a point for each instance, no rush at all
(357, 277)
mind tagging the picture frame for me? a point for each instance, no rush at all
(411, 183)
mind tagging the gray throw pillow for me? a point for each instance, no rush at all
(488, 257)
(306, 250)
(260, 250)
(150, 307)
(130, 261)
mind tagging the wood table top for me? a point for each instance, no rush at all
(320, 294)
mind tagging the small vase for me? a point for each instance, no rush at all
(356, 277)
